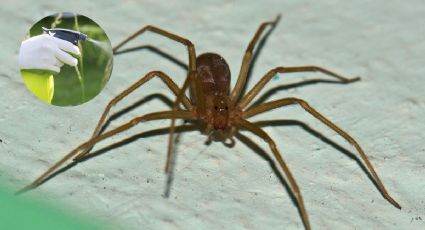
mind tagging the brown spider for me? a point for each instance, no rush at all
(222, 111)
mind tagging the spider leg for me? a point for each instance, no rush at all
(192, 77)
(161, 32)
(172, 36)
(247, 58)
(136, 137)
(191, 81)
(268, 76)
(92, 141)
(290, 101)
(165, 78)
(262, 134)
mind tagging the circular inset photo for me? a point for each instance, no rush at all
(66, 59)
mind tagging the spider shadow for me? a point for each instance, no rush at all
(157, 51)
(169, 103)
(129, 140)
(163, 98)
(255, 56)
(326, 140)
(256, 53)
(262, 153)
(133, 106)
(263, 98)
(185, 128)
(151, 48)
(251, 144)
(126, 141)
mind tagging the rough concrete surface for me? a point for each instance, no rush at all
(216, 187)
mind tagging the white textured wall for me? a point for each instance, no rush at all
(220, 188)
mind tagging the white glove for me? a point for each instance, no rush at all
(47, 53)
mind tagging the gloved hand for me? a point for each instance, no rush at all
(47, 53)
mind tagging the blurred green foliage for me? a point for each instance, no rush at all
(21, 213)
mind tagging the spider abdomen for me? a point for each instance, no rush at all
(214, 76)
(213, 73)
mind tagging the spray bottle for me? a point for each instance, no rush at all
(68, 35)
